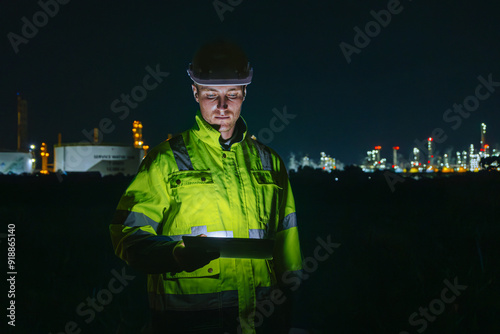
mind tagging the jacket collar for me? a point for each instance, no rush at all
(204, 131)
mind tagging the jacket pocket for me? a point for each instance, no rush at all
(183, 179)
(195, 202)
(268, 194)
(211, 270)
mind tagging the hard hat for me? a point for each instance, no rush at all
(220, 63)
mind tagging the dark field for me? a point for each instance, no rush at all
(399, 252)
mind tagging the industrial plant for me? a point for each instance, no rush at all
(107, 159)
(23, 160)
(85, 156)
(122, 159)
(427, 161)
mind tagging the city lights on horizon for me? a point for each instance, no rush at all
(428, 159)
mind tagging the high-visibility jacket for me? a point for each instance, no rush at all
(189, 185)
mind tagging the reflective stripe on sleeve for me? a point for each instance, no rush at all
(137, 219)
(288, 222)
(133, 219)
(180, 153)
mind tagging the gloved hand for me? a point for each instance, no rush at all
(192, 258)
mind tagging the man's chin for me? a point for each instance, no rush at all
(221, 127)
(215, 126)
(224, 126)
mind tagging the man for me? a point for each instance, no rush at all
(213, 180)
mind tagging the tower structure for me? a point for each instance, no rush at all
(305, 162)
(22, 124)
(483, 135)
(377, 152)
(45, 158)
(96, 136)
(447, 160)
(430, 156)
(484, 150)
(416, 157)
(395, 150)
(464, 160)
(473, 159)
(137, 132)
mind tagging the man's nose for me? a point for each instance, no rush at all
(222, 103)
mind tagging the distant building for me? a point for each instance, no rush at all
(326, 163)
(111, 159)
(17, 162)
(292, 165)
(107, 159)
(306, 162)
(373, 161)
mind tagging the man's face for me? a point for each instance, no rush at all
(220, 105)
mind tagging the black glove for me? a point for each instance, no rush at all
(192, 258)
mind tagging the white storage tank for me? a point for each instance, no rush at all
(105, 159)
(16, 163)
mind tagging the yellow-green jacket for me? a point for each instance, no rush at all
(189, 185)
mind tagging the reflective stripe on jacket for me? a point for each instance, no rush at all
(189, 185)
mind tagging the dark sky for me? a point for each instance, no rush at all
(395, 90)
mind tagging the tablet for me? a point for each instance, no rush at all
(236, 248)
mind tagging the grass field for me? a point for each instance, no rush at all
(421, 256)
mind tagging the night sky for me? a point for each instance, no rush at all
(395, 89)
